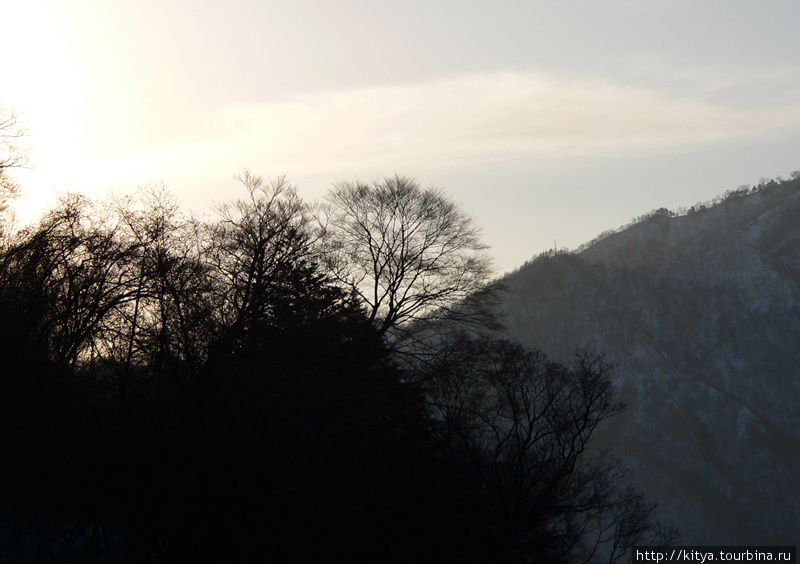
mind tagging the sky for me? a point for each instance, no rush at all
(548, 121)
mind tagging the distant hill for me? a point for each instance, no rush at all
(700, 312)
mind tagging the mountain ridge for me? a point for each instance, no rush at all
(700, 312)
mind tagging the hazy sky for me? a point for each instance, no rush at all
(549, 121)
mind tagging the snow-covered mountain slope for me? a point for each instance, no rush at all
(701, 315)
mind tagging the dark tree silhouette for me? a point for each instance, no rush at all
(254, 249)
(188, 392)
(177, 390)
(13, 153)
(517, 427)
(409, 253)
(168, 320)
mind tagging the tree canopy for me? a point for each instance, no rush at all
(187, 390)
(409, 253)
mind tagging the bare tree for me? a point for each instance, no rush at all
(168, 319)
(409, 253)
(72, 265)
(518, 428)
(13, 153)
(257, 244)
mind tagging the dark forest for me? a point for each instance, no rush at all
(287, 382)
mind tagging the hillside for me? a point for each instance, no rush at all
(700, 312)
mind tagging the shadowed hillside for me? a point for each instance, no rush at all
(700, 312)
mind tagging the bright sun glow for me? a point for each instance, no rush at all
(119, 94)
(41, 82)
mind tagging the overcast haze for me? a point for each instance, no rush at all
(548, 121)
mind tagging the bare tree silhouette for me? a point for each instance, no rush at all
(409, 253)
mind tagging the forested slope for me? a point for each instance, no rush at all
(700, 312)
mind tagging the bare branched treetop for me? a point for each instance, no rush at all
(406, 251)
(256, 240)
(13, 152)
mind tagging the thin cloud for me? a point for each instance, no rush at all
(475, 118)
